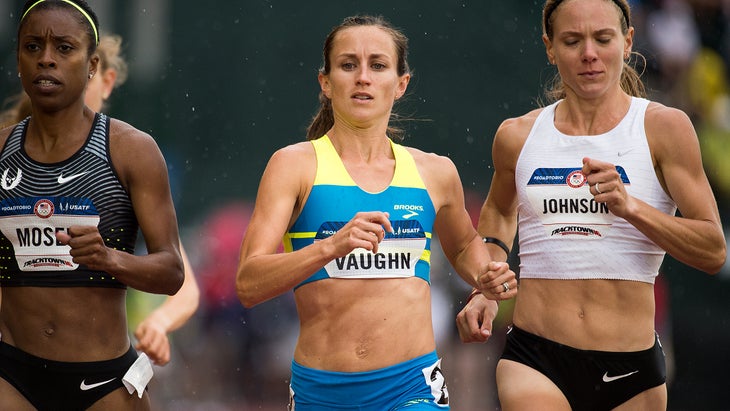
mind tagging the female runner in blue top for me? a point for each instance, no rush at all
(357, 213)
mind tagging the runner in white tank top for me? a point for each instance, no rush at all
(592, 182)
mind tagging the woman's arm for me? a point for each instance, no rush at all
(696, 237)
(497, 219)
(262, 272)
(461, 243)
(175, 311)
(142, 170)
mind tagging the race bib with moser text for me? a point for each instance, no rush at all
(31, 224)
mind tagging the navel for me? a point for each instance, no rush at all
(49, 330)
(362, 349)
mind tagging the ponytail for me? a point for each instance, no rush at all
(323, 120)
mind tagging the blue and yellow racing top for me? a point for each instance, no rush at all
(336, 198)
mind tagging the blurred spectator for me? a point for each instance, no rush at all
(674, 40)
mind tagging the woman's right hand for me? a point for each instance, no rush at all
(365, 230)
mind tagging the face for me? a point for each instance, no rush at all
(53, 58)
(363, 81)
(588, 46)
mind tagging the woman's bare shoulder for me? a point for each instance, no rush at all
(519, 126)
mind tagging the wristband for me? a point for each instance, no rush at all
(498, 242)
(473, 294)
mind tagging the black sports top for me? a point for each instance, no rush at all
(37, 200)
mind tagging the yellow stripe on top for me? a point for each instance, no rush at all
(289, 236)
(331, 170)
(426, 256)
(406, 172)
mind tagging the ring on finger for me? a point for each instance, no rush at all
(598, 190)
(505, 286)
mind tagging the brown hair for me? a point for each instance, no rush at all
(324, 119)
(630, 78)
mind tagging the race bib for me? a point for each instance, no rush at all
(397, 254)
(31, 224)
(562, 201)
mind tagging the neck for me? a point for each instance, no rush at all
(51, 134)
(591, 116)
(360, 145)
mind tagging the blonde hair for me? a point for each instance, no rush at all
(110, 57)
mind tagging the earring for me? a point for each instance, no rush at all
(91, 75)
(18, 74)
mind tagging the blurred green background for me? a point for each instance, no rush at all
(222, 85)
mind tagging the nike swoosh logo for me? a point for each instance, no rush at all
(606, 378)
(622, 153)
(85, 387)
(64, 180)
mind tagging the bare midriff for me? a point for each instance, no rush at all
(353, 325)
(65, 324)
(603, 315)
